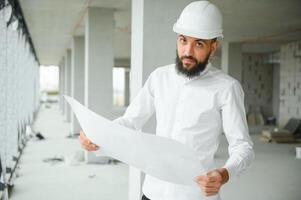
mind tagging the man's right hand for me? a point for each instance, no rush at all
(86, 143)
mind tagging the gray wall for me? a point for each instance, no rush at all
(290, 81)
(257, 82)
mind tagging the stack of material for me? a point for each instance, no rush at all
(278, 136)
(290, 133)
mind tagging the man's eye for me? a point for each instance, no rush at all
(199, 44)
(182, 40)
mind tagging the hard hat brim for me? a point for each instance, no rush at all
(206, 35)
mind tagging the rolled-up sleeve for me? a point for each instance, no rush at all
(140, 109)
(236, 130)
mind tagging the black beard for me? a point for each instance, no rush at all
(195, 70)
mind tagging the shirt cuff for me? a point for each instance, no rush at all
(232, 170)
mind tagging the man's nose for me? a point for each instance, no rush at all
(188, 51)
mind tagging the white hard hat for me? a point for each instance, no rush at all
(200, 19)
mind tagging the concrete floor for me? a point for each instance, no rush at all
(274, 175)
(64, 181)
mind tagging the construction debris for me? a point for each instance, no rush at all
(30, 133)
(279, 137)
(39, 136)
(291, 133)
(54, 160)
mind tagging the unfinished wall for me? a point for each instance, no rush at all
(257, 82)
(290, 80)
(19, 90)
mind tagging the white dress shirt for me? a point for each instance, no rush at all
(195, 112)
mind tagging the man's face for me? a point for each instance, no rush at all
(193, 54)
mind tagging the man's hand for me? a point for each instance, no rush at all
(86, 143)
(211, 183)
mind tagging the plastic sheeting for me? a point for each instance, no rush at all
(19, 83)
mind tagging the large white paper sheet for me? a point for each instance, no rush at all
(160, 157)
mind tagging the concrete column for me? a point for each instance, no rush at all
(136, 82)
(62, 85)
(127, 87)
(77, 76)
(153, 44)
(67, 86)
(99, 60)
(276, 91)
(232, 59)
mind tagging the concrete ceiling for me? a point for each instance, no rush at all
(266, 22)
(52, 23)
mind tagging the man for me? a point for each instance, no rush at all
(194, 103)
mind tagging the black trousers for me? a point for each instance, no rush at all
(144, 198)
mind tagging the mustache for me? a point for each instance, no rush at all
(189, 57)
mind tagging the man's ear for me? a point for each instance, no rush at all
(214, 46)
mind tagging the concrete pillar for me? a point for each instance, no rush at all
(276, 91)
(232, 59)
(67, 87)
(77, 76)
(62, 85)
(136, 82)
(127, 87)
(99, 60)
(153, 44)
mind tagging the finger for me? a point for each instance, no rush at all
(94, 148)
(213, 178)
(210, 194)
(210, 191)
(82, 137)
(84, 146)
(203, 183)
(86, 141)
(82, 134)
(210, 185)
(204, 180)
(213, 173)
(201, 179)
(91, 147)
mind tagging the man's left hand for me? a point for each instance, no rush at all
(211, 183)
